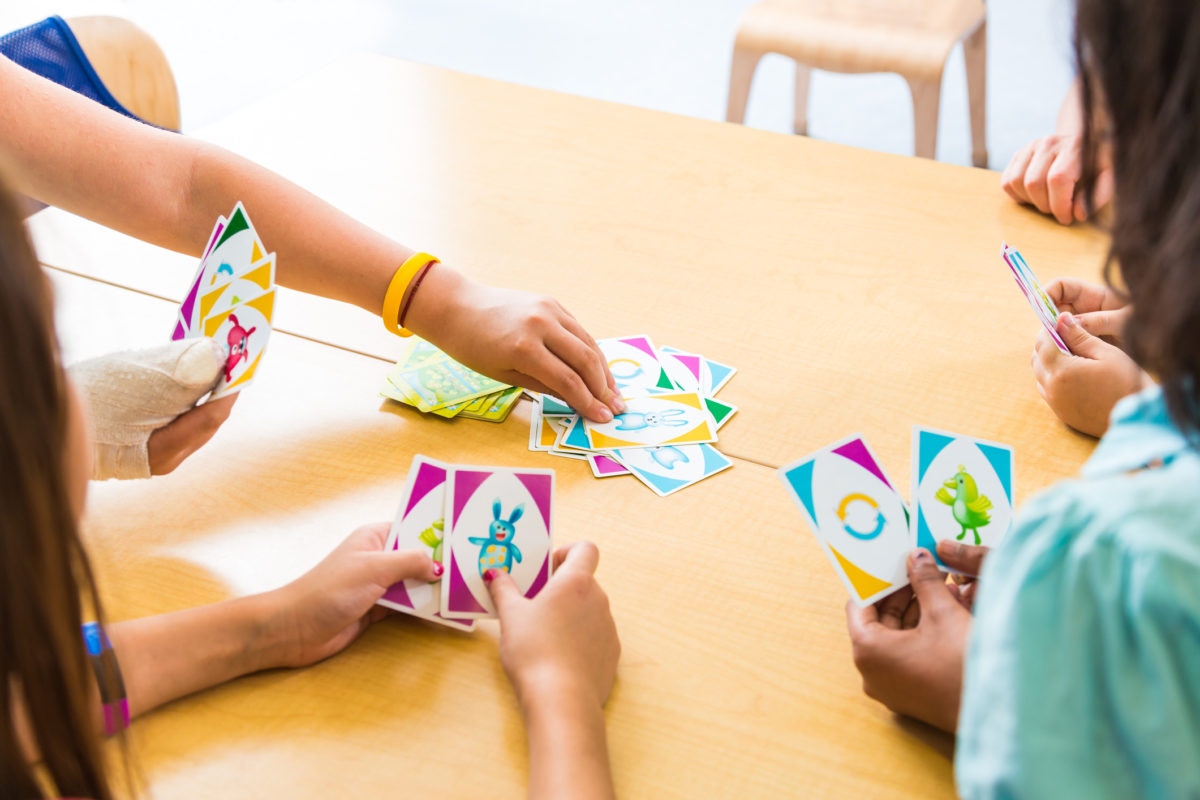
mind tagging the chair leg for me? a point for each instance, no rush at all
(741, 76)
(926, 94)
(975, 59)
(803, 78)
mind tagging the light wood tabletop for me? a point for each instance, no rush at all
(856, 292)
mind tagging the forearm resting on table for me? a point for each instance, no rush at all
(165, 657)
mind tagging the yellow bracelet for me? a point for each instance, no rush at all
(397, 288)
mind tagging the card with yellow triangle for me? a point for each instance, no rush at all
(857, 515)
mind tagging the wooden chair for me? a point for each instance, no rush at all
(132, 66)
(909, 37)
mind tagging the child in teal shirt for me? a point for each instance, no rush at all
(1079, 675)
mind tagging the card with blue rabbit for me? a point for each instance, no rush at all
(420, 525)
(653, 420)
(496, 518)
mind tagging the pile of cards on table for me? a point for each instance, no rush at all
(1031, 287)
(962, 489)
(665, 436)
(232, 299)
(431, 382)
(470, 520)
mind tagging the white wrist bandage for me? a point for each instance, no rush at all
(134, 393)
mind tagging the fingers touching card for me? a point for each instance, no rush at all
(496, 519)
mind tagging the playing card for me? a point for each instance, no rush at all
(1031, 287)
(695, 373)
(651, 420)
(494, 407)
(243, 333)
(496, 519)
(187, 316)
(438, 380)
(962, 489)
(542, 434)
(857, 515)
(668, 469)
(553, 407)
(257, 279)
(634, 363)
(420, 525)
(605, 466)
(720, 410)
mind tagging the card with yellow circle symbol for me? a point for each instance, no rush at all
(858, 516)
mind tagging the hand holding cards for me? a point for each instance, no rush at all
(471, 520)
(664, 437)
(962, 490)
(232, 299)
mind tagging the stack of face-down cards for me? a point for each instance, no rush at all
(962, 490)
(665, 436)
(232, 299)
(430, 381)
(470, 520)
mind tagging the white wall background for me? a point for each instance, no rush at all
(671, 55)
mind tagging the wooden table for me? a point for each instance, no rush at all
(855, 291)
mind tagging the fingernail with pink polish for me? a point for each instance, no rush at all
(489, 576)
(438, 569)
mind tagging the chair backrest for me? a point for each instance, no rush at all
(50, 49)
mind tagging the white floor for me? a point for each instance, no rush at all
(671, 55)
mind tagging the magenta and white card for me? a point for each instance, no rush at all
(496, 518)
(420, 525)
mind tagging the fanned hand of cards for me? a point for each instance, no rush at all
(1031, 287)
(962, 490)
(232, 299)
(431, 382)
(470, 520)
(665, 437)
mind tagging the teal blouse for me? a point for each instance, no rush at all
(1083, 668)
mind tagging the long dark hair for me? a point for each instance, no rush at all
(1139, 71)
(45, 579)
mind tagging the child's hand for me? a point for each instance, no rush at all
(563, 642)
(143, 409)
(968, 560)
(917, 670)
(516, 337)
(1082, 387)
(324, 610)
(1045, 174)
(1105, 309)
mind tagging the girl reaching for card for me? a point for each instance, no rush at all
(65, 681)
(167, 189)
(1077, 676)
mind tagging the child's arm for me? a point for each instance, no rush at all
(167, 189)
(560, 651)
(166, 657)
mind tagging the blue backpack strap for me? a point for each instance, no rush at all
(50, 49)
